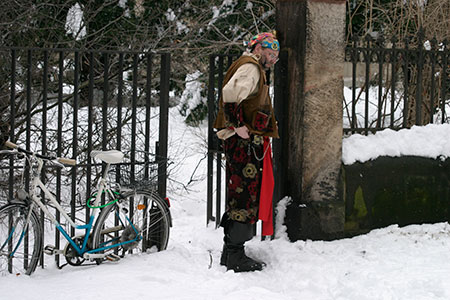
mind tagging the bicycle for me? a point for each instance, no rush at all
(130, 220)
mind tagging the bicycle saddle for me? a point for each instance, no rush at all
(109, 157)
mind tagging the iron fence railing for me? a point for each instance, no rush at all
(217, 67)
(396, 84)
(69, 102)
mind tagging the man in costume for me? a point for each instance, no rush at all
(246, 121)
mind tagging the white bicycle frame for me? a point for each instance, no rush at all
(38, 184)
(78, 243)
(37, 199)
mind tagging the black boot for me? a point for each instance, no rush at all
(225, 223)
(236, 235)
(239, 262)
(224, 256)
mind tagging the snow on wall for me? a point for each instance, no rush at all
(431, 141)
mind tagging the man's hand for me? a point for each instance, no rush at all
(242, 132)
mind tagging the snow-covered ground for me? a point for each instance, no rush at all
(390, 263)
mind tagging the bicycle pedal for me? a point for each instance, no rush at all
(112, 257)
(52, 250)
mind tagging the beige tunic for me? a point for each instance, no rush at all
(243, 83)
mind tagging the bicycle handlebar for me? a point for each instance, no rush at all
(67, 161)
(11, 145)
(63, 160)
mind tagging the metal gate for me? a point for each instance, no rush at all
(69, 102)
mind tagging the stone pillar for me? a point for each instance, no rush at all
(312, 33)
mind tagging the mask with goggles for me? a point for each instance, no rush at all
(266, 39)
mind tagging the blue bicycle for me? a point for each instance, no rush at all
(129, 221)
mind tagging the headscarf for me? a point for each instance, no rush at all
(266, 39)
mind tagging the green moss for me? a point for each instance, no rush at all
(358, 213)
(360, 205)
(351, 226)
(405, 190)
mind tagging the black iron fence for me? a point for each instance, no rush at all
(69, 102)
(396, 84)
(217, 67)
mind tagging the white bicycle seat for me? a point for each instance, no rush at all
(109, 157)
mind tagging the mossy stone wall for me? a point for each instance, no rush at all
(395, 190)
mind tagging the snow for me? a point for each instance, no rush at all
(170, 15)
(225, 9)
(372, 113)
(74, 22)
(181, 28)
(122, 3)
(249, 5)
(430, 141)
(389, 263)
(191, 95)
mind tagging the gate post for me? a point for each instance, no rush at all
(210, 179)
(312, 34)
(163, 123)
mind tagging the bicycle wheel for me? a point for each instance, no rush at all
(20, 244)
(139, 222)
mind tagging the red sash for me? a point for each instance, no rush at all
(267, 184)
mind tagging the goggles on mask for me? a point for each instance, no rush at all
(266, 39)
(274, 45)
